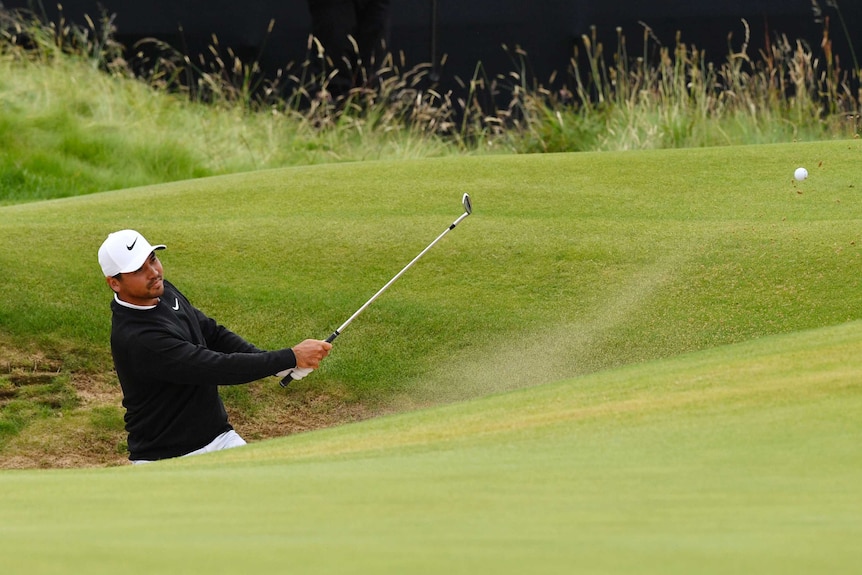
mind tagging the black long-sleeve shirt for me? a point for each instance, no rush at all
(170, 361)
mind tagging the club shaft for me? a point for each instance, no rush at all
(467, 206)
(337, 332)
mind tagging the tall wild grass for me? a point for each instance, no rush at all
(80, 113)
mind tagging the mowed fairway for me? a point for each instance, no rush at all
(620, 363)
(743, 459)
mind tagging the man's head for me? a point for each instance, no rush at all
(131, 267)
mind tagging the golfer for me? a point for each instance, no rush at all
(170, 357)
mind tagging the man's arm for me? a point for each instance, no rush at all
(160, 356)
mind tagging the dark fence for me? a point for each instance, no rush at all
(474, 31)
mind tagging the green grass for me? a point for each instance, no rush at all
(26, 398)
(70, 129)
(738, 459)
(660, 348)
(570, 263)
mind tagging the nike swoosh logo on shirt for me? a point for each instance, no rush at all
(133, 245)
(176, 304)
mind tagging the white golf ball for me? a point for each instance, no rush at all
(800, 174)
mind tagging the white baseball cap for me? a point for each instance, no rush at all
(124, 251)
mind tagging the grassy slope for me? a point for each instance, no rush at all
(571, 263)
(738, 459)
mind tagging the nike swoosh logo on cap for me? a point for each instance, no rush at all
(131, 247)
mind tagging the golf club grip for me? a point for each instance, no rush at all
(287, 378)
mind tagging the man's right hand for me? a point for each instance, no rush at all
(310, 352)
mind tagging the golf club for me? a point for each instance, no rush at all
(302, 372)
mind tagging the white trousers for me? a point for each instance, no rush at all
(226, 440)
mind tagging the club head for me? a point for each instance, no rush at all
(468, 205)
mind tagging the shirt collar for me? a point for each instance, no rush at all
(131, 305)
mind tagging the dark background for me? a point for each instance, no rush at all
(469, 31)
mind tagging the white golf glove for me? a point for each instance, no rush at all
(295, 373)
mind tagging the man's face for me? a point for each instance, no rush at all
(141, 287)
